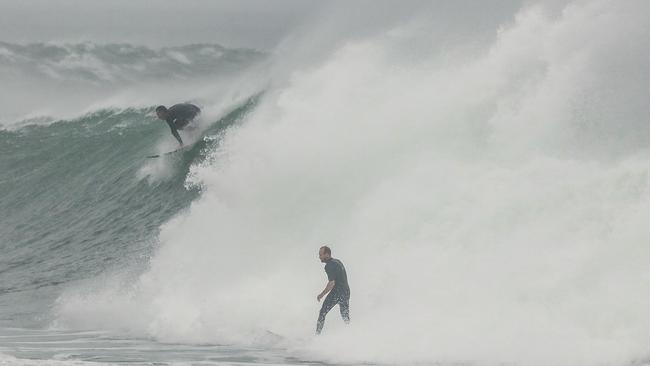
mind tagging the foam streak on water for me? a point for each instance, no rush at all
(31, 347)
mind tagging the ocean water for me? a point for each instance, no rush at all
(487, 187)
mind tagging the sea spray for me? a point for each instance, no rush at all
(489, 206)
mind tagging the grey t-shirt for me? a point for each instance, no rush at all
(336, 272)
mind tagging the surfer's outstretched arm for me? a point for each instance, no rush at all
(175, 132)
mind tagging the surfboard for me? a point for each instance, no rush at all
(167, 153)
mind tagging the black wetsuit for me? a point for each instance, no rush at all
(340, 294)
(179, 116)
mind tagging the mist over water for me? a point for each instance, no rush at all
(44, 82)
(487, 195)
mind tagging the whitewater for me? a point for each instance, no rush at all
(487, 189)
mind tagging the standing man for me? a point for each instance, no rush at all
(337, 287)
(178, 117)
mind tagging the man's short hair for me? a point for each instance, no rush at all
(326, 250)
(161, 108)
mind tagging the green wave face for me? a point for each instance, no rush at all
(75, 202)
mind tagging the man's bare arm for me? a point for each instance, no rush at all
(328, 288)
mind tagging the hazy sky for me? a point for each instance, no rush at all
(259, 24)
(241, 23)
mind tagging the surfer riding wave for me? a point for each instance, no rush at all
(178, 117)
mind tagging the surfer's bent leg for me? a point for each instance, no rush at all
(330, 300)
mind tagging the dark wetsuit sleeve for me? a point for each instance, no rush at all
(174, 131)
